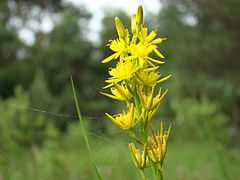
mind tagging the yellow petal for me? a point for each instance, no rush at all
(131, 111)
(112, 81)
(153, 113)
(107, 86)
(118, 94)
(120, 89)
(151, 36)
(169, 130)
(164, 79)
(114, 120)
(111, 96)
(156, 61)
(109, 58)
(161, 128)
(158, 53)
(163, 94)
(150, 98)
(158, 40)
(151, 69)
(129, 58)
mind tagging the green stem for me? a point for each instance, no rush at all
(154, 170)
(157, 171)
(160, 174)
(160, 169)
(143, 174)
(137, 102)
(133, 135)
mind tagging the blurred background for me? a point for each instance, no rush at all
(43, 42)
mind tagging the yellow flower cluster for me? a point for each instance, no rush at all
(158, 145)
(134, 81)
(154, 149)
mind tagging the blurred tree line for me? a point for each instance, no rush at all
(202, 52)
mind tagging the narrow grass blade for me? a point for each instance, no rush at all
(83, 130)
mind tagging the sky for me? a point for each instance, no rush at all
(128, 5)
(97, 8)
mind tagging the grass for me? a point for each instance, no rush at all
(85, 135)
(68, 159)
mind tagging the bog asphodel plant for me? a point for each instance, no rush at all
(134, 81)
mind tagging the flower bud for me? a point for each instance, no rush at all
(120, 28)
(133, 24)
(140, 159)
(140, 15)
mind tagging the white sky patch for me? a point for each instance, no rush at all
(129, 6)
(46, 23)
(27, 36)
(189, 20)
(96, 8)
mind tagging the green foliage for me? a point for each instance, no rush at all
(67, 159)
(15, 74)
(20, 123)
(73, 56)
(17, 124)
(10, 44)
(202, 42)
(200, 119)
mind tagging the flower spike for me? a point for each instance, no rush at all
(133, 81)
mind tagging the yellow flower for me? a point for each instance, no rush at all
(119, 46)
(140, 159)
(140, 52)
(147, 78)
(120, 92)
(124, 120)
(123, 71)
(153, 112)
(157, 145)
(150, 78)
(149, 102)
(149, 40)
(133, 81)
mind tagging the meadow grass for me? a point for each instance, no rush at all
(68, 159)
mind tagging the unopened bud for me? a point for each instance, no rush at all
(120, 28)
(140, 15)
(133, 24)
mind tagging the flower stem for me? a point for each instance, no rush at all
(143, 174)
(154, 170)
(160, 176)
(133, 135)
